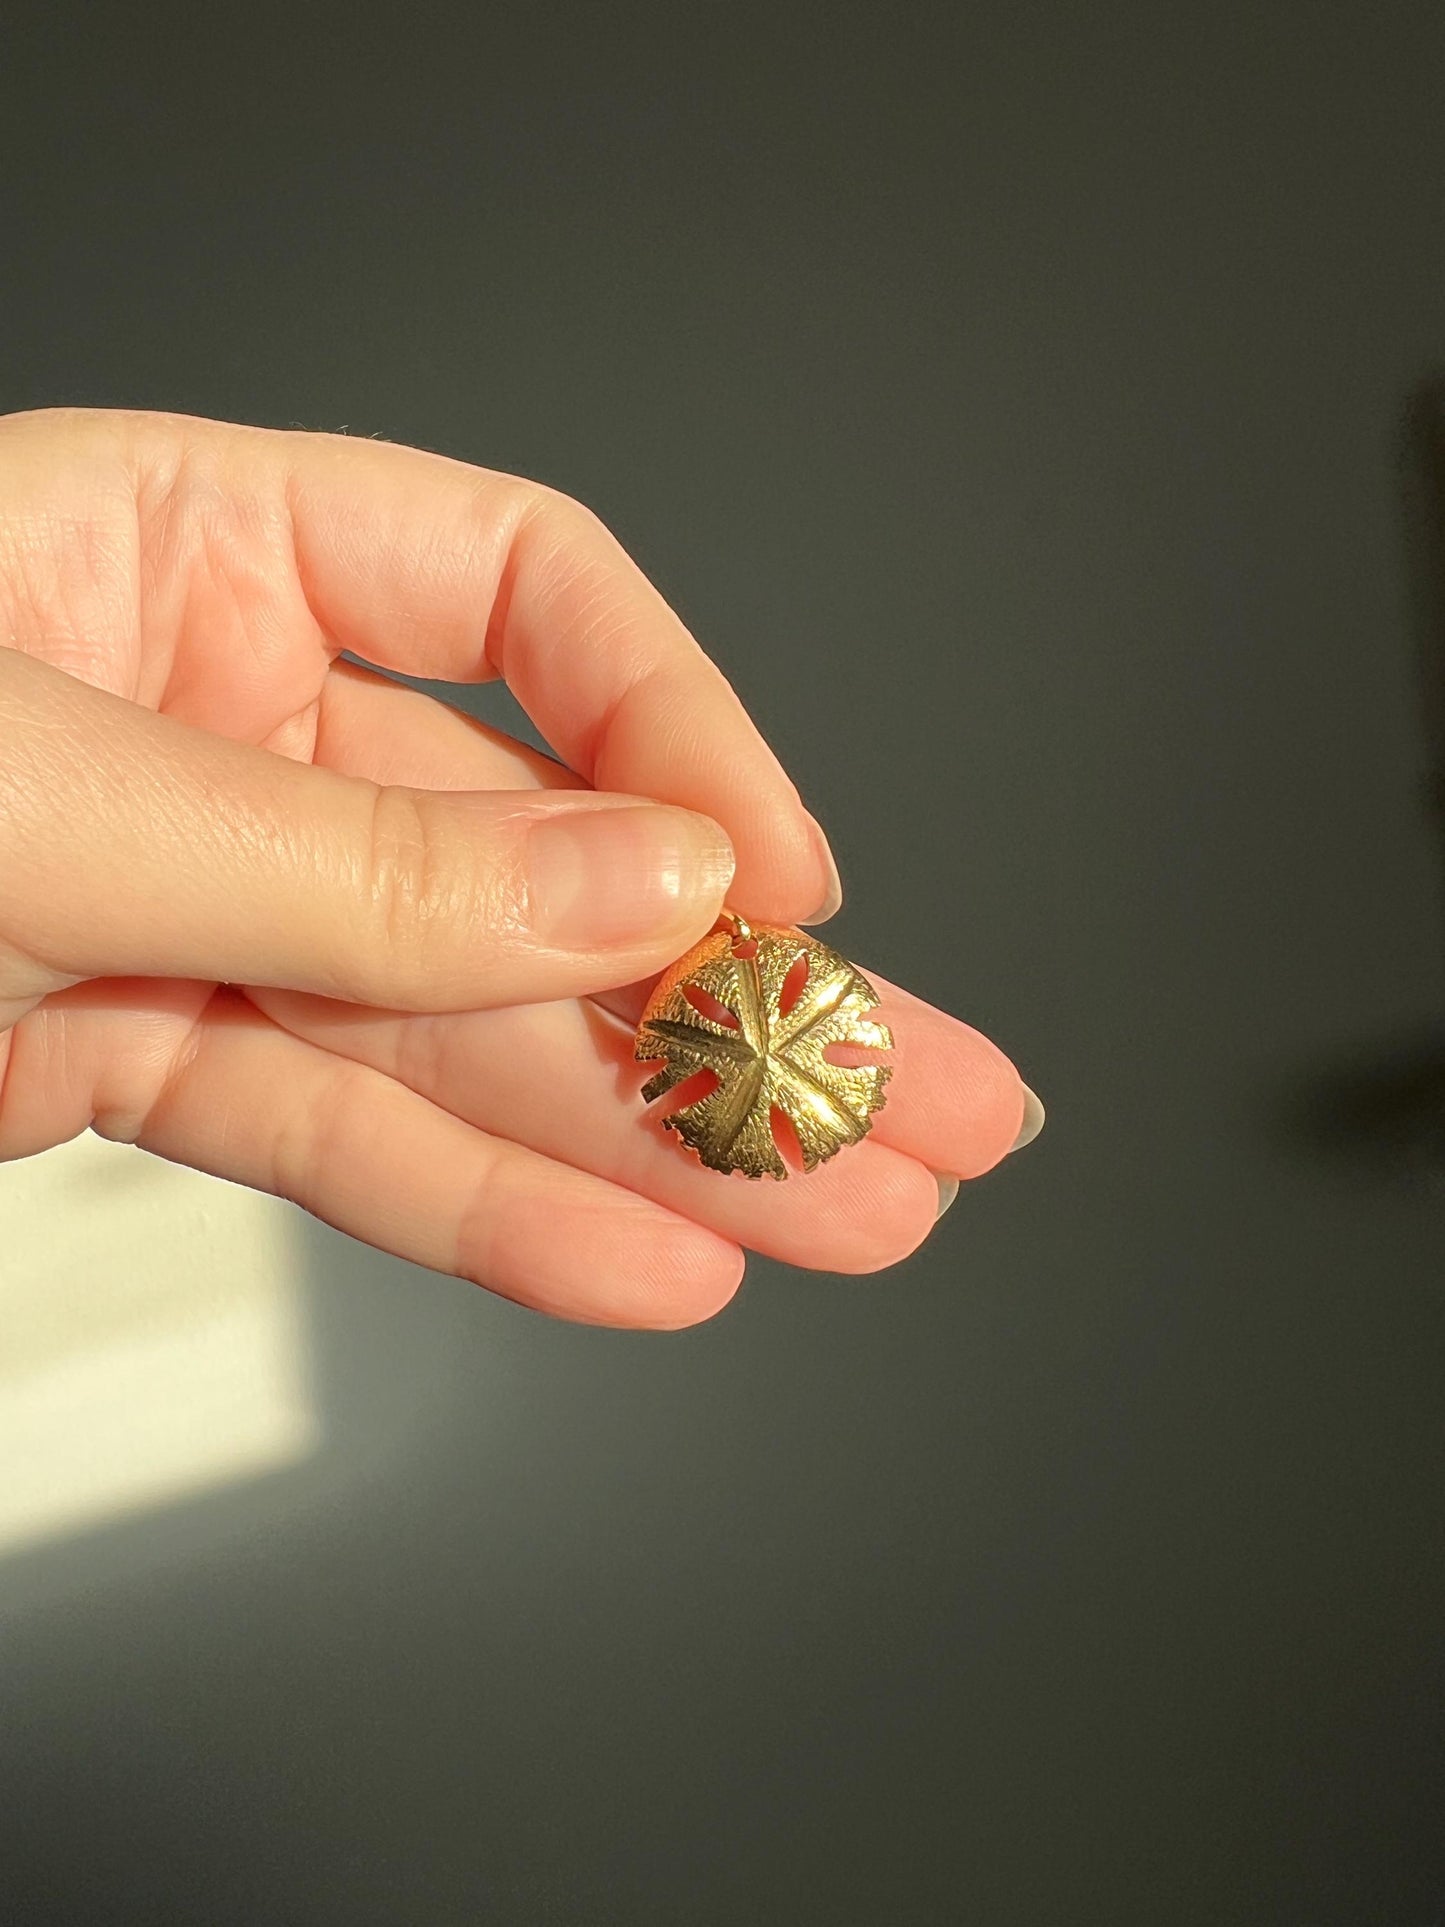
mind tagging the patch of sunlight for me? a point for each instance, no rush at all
(152, 1346)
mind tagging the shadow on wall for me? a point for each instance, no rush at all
(1383, 1112)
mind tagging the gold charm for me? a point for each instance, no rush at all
(756, 1007)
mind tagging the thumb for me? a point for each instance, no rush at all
(133, 845)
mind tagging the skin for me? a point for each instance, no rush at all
(270, 914)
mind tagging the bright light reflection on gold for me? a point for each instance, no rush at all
(151, 1343)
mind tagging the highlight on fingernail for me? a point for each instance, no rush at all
(613, 876)
(1033, 1121)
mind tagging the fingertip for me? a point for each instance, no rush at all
(885, 1206)
(830, 902)
(685, 1275)
(591, 1252)
(703, 1284)
(907, 1215)
(786, 873)
(955, 1101)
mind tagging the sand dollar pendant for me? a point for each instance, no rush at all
(746, 1021)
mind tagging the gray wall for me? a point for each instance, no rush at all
(1040, 396)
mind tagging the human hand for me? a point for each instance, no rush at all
(265, 912)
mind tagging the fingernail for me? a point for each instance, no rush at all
(1033, 1121)
(833, 900)
(621, 876)
(947, 1192)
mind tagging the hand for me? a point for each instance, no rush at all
(273, 915)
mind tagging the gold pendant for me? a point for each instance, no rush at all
(751, 1012)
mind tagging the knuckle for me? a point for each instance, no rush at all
(317, 1134)
(405, 880)
(431, 890)
(994, 1104)
(566, 516)
(45, 1084)
(133, 1094)
(563, 539)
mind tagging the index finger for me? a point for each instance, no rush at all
(429, 566)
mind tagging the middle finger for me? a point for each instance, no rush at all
(560, 1079)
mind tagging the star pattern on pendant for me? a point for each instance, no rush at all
(759, 1016)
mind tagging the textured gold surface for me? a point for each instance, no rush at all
(771, 1057)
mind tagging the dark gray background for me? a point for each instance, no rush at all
(1040, 397)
